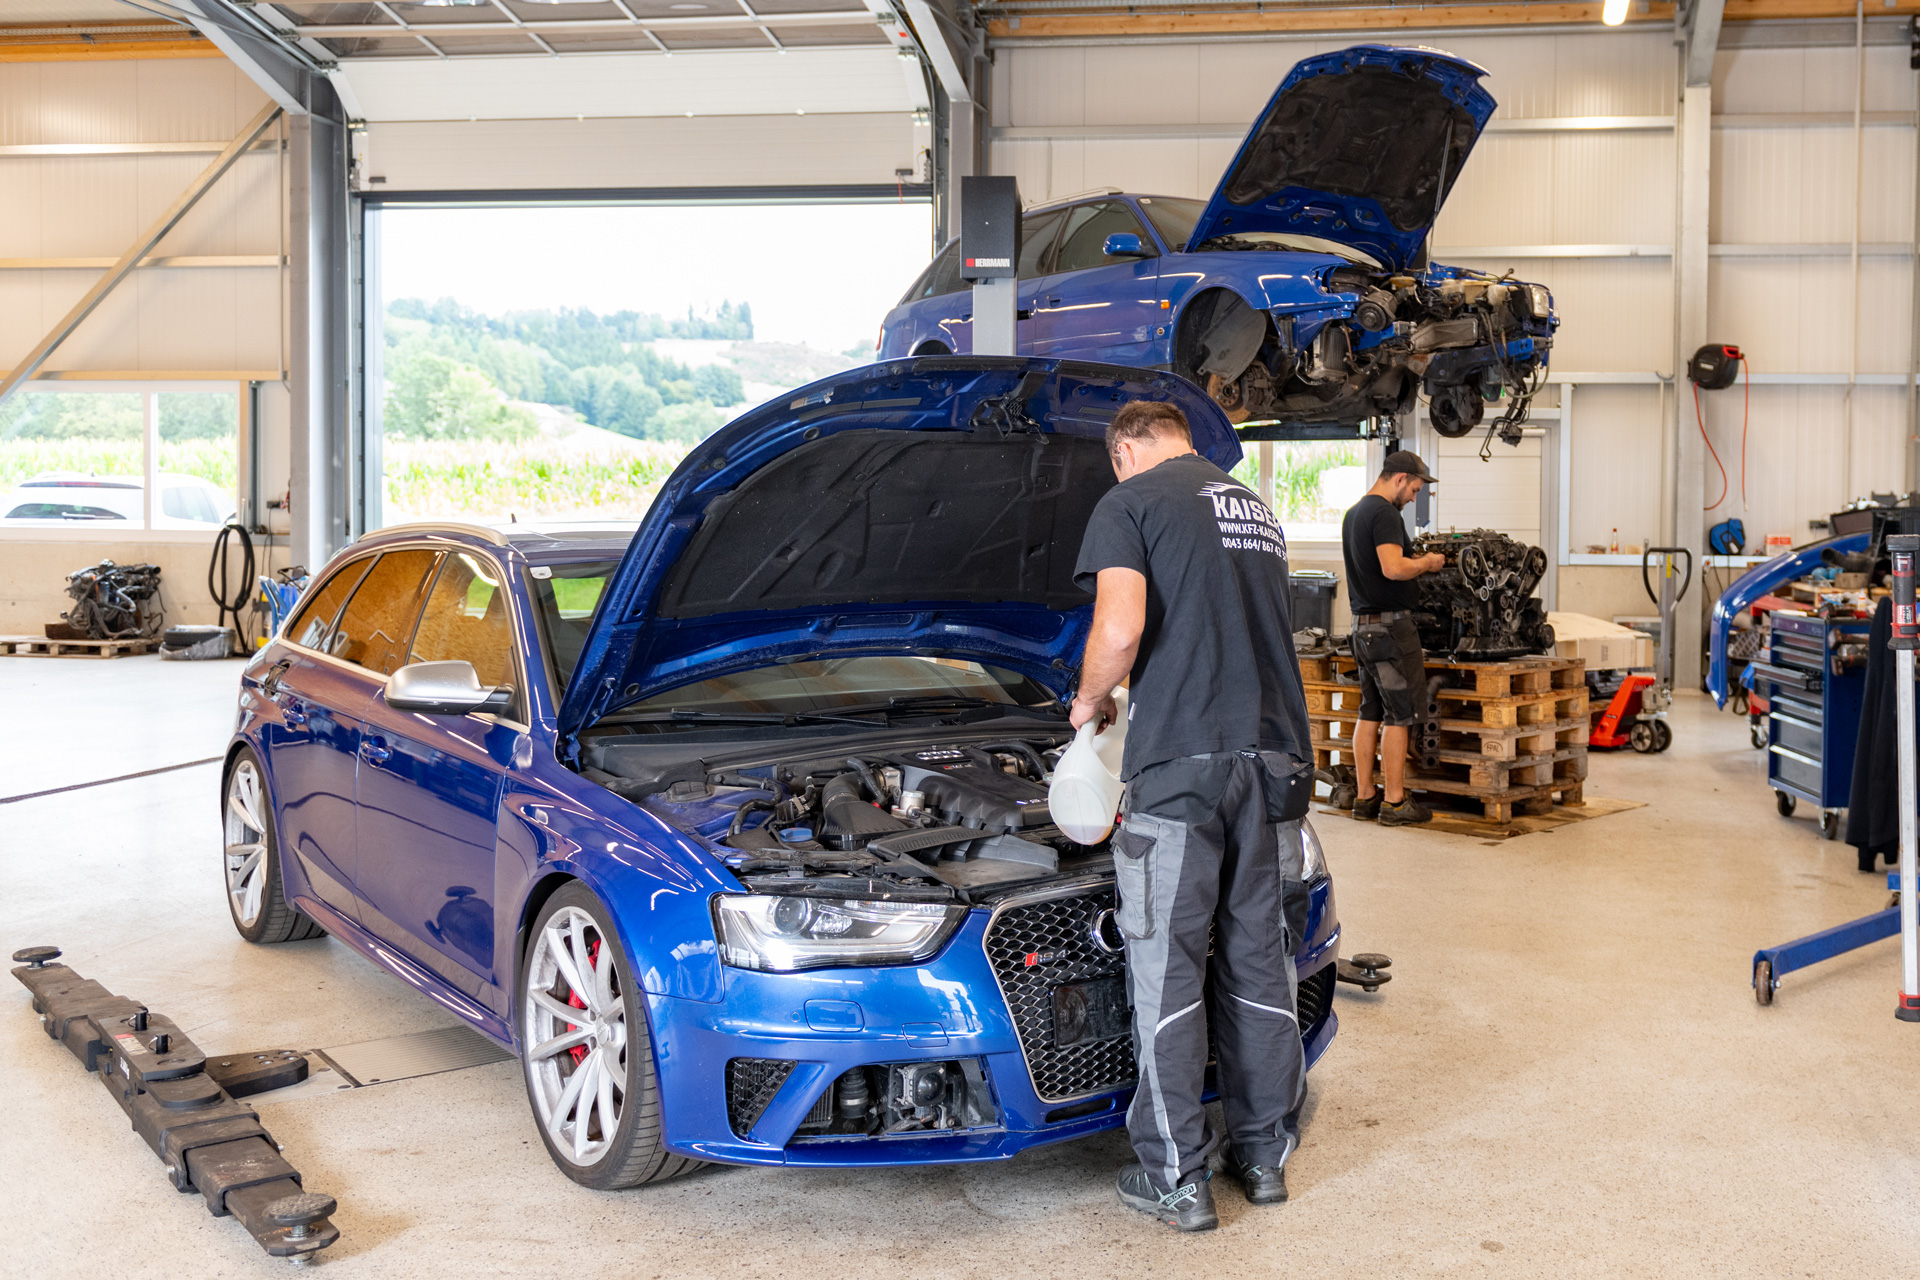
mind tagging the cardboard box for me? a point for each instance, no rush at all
(1604, 645)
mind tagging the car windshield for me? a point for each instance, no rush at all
(1298, 244)
(837, 684)
(565, 596)
(1173, 218)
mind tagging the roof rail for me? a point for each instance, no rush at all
(494, 536)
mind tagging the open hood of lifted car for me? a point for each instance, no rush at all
(1359, 147)
(929, 506)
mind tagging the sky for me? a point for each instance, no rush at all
(824, 275)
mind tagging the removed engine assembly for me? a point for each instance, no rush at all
(1482, 606)
(184, 1107)
(113, 602)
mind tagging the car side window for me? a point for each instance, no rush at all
(311, 624)
(1084, 238)
(1036, 241)
(377, 623)
(467, 620)
(943, 277)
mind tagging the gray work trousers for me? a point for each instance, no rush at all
(1201, 844)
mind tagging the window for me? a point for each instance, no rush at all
(309, 627)
(153, 457)
(466, 620)
(1313, 485)
(378, 621)
(1174, 219)
(943, 277)
(565, 601)
(1083, 242)
(1036, 239)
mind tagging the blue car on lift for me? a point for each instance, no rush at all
(1301, 293)
(734, 828)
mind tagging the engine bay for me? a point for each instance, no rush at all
(939, 819)
(1445, 336)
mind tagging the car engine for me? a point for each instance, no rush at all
(1445, 336)
(114, 601)
(1482, 606)
(937, 820)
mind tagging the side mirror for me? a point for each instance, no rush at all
(444, 689)
(1124, 244)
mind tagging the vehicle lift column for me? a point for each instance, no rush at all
(1903, 916)
(990, 258)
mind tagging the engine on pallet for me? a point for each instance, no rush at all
(1482, 606)
(112, 602)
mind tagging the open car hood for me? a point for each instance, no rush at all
(929, 506)
(1360, 147)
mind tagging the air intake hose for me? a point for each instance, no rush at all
(850, 821)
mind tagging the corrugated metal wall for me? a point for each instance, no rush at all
(1571, 205)
(212, 318)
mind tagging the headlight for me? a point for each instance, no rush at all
(1313, 859)
(1539, 301)
(787, 934)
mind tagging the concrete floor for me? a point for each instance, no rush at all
(1568, 1077)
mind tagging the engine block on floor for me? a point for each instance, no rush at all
(1482, 606)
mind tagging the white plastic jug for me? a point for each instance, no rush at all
(1085, 792)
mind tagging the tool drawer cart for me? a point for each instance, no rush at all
(1814, 710)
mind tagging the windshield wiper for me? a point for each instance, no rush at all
(750, 717)
(941, 702)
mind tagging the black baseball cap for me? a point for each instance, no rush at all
(1405, 462)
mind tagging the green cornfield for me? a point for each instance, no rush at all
(496, 480)
(20, 460)
(1298, 470)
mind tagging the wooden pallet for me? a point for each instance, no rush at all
(41, 647)
(1513, 733)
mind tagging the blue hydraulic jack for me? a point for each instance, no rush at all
(1903, 915)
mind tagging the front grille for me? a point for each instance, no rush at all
(751, 1084)
(1313, 999)
(1058, 934)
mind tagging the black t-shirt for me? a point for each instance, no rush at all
(1216, 669)
(1371, 523)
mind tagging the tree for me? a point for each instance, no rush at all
(432, 397)
(686, 423)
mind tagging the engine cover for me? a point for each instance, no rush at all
(965, 786)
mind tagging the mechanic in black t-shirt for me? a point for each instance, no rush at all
(1190, 573)
(1386, 644)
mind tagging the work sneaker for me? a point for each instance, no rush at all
(1188, 1207)
(1369, 809)
(1408, 813)
(1263, 1183)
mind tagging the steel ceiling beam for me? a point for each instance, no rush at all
(362, 30)
(142, 247)
(1699, 23)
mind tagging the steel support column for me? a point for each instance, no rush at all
(319, 310)
(1695, 140)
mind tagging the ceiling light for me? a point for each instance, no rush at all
(1614, 12)
(449, 4)
(686, 6)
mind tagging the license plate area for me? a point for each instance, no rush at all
(1084, 1012)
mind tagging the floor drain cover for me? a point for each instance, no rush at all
(424, 1053)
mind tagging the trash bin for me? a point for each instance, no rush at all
(1312, 591)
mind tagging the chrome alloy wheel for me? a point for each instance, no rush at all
(246, 840)
(576, 1024)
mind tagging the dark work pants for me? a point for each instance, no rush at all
(1200, 844)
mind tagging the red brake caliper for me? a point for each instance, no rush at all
(579, 1051)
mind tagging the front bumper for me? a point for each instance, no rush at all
(827, 1022)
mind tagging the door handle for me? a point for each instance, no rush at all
(375, 750)
(292, 711)
(1053, 302)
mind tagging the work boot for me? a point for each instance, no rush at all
(1369, 809)
(1263, 1183)
(1408, 813)
(1188, 1207)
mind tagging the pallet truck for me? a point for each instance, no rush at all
(1636, 711)
(1902, 916)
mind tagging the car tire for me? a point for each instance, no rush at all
(615, 1043)
(256, 887)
